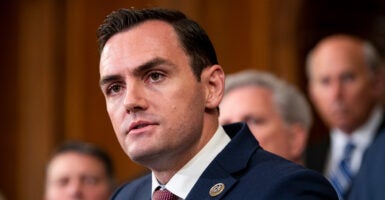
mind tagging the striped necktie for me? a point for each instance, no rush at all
(341, 178)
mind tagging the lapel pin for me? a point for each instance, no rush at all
(216, 189)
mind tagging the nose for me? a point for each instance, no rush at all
(336, 90)
(75, 189)
(135, 98)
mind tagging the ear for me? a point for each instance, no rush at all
(298, 141)
(213, 79)
(379, 83)
(310, 90)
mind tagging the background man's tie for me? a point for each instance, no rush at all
(341, 178)
(163, 194)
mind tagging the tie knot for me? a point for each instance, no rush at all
(163, 194)
(349, 149)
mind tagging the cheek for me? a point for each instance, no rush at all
(230, 114)
(116, 118)
(100, 192)
(319, 92)
(268, 131)
(319, 96)
(113, 109)
(111, 105)
(360, 91)
(262, 132)
(112, 116)
(183, 100)
(321, 103)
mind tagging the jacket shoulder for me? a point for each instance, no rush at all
(136, 189)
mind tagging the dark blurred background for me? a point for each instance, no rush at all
(49, 67)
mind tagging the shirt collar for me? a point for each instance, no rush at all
(184, 180)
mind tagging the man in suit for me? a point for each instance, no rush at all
(345, 87)
(163, 85)
(276, 112)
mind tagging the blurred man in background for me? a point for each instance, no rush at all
(345, 87)
(79, 171)
(277, 113)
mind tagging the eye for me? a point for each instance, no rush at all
(347, 77)
(113, 89)
(254, 120)
(62, 182)
(325, 81)
(90, 180)
(154, 77)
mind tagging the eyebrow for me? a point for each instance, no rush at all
(138, 70)
(109, 79)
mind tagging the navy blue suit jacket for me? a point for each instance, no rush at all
(370, 180)
(248, 172)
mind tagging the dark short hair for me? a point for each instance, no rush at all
(90, 150)
(193, 38)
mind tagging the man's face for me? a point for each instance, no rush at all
(155, 103)
(341, 85)
(76, 176)
(254, 105)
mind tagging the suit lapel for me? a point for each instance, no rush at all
(380, 130)
(143, 191)
(232, 159)
(212, 176)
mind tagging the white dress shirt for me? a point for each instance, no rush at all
(362, 138)
(184, 180)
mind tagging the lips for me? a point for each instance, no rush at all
(138, 125)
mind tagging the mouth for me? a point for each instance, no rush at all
(339, 111)
(139, 126)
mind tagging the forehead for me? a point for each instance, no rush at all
(142, 42)
(338, 56)
(73, 162)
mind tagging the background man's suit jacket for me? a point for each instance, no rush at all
(370, 180)
(248, 172)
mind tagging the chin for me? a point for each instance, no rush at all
(138, 156)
